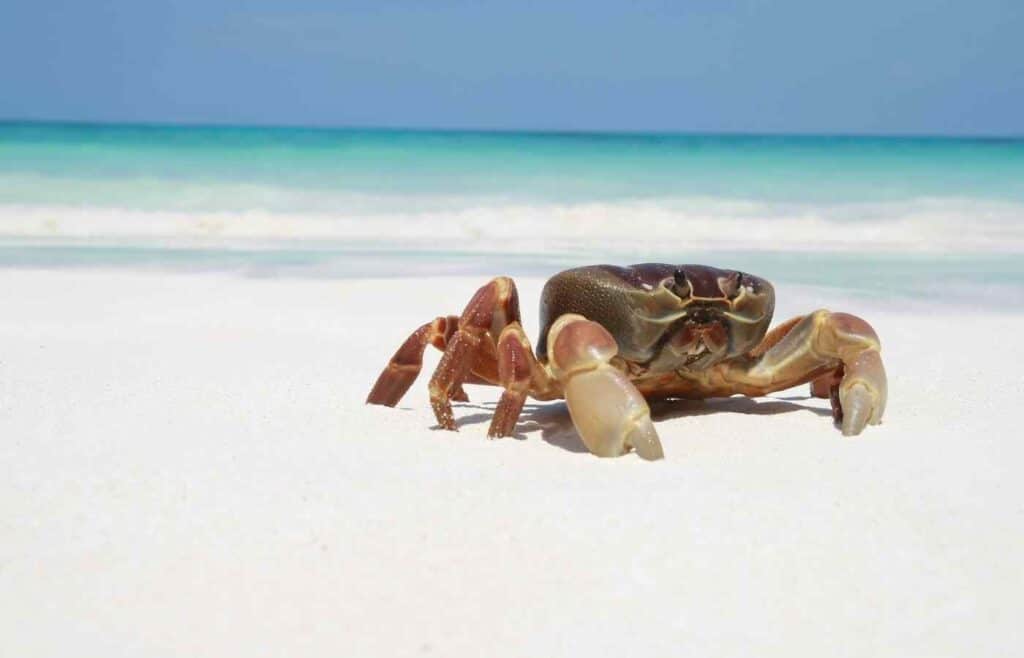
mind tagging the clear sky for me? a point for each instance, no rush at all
(819, 66)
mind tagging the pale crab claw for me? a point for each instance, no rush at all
(609, 413)
(860, 408)
(862, 394)
(644, 439)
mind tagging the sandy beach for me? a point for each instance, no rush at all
(189, 469)
(219, 220)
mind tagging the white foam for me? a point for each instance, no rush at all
(920, 225)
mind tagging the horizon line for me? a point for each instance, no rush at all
(504, 130)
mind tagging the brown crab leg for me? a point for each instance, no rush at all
(488, 312)
(823, 386)
(519, 373)
(515, 361)
(827, 386)
(403, 368)
(837, 349)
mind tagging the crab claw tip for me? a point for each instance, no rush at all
(857, 404)
(644, 440)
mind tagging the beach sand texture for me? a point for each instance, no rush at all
(189, 469)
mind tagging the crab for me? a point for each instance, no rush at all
(614, 337)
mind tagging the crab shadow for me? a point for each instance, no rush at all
(555, 426)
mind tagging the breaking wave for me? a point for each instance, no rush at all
(926, 225)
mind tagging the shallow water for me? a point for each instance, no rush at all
(94, 164)
(879, 216)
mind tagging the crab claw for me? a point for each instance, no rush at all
(856, 409)
(862, 393)
(644, 439)
(609, 413)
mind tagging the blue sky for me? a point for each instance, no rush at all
(879, 67)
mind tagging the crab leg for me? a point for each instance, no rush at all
(515, 367)
(520, 374)
(834, 350)
(405, 365)
(607, 410)
(492, 307)
(827, 386)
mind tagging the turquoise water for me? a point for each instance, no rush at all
(862, 213)
(142, 166)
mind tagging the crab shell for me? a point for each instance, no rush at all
(666, 317)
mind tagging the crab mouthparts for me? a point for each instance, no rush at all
(695, 351)
(697, 348)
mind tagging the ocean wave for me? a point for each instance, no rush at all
(929, 225)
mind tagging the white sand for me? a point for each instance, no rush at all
(189, 470)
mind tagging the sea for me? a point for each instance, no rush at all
(895, 218)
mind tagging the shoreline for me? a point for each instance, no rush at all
(992, 283)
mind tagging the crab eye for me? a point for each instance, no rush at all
(681, 285)
(731, 285)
